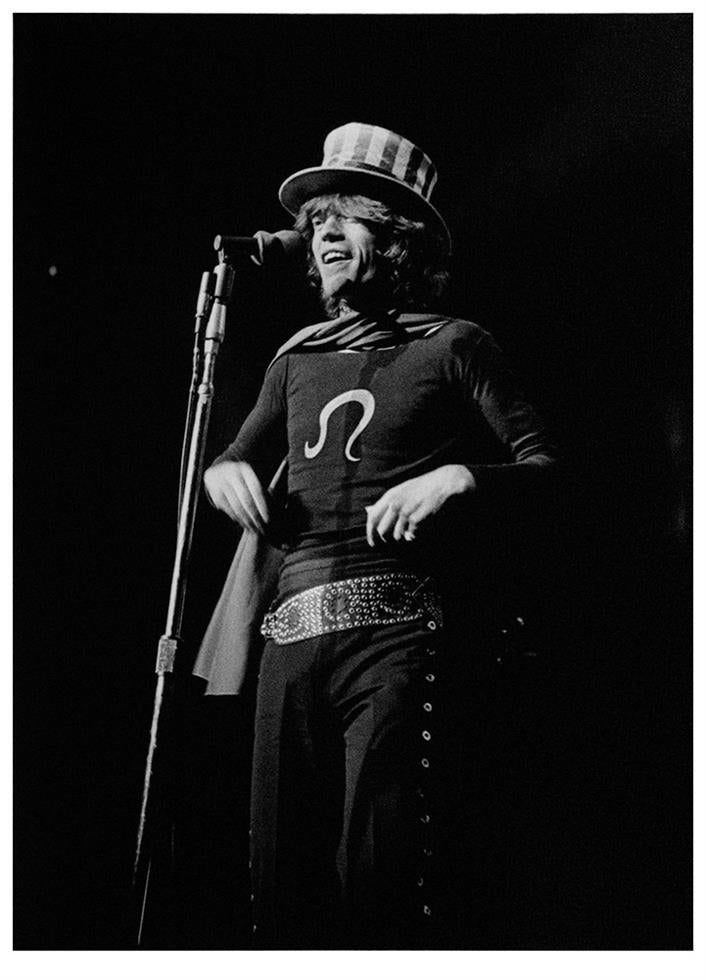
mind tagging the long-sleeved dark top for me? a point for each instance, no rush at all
(355, 423)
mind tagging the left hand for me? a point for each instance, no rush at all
(402, 509)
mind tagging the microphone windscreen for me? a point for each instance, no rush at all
(292, 241)
(282, 244)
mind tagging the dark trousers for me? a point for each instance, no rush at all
(342, 816)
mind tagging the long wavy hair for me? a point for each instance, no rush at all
(411, 256)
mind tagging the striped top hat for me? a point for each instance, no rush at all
(371, 160)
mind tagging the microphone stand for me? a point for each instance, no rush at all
(203, 309)
(153, 814)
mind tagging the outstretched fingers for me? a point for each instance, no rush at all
(388, 517)
(243, 508)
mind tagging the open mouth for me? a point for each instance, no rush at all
(335, 256)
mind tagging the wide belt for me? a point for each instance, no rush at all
(374, 600)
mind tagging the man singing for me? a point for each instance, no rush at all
(383, 414)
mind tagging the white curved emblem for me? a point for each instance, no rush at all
(361, 395)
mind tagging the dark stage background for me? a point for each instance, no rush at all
(563, 145)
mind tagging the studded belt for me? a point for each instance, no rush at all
(374, 600)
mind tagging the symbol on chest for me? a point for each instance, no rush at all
(360, 395)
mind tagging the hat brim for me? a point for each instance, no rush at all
(314, 181)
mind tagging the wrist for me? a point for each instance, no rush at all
(463, 479)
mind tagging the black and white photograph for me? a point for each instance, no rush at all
(352, 481)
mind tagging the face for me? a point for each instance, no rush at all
(344, 251)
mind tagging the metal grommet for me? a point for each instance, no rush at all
(420, 882)
(427, 852)
(431, 678)
(426, 736)
(431, 624)
(425, 818)
(427, 910)
(425, 763)
(426, 706)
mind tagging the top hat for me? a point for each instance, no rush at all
(371, 160)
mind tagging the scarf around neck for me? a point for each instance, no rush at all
(360, 331)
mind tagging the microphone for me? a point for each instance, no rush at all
(263, 247)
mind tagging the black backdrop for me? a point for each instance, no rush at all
(563, 145)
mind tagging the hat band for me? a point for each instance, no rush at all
(419, 187)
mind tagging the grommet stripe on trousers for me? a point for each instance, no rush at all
(425, 796)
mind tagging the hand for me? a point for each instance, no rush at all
(235, 489)
(402, 509)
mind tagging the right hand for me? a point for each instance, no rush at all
(235, 489)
